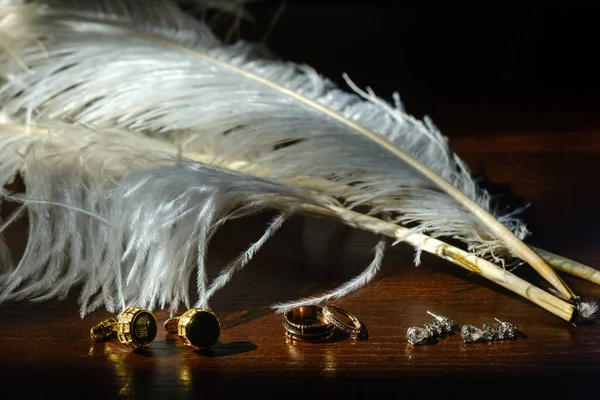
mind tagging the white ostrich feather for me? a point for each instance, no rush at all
(123, 216)
(147, 67)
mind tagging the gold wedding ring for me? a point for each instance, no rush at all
(318, 323)
(307, 323)
(135, 328)
(352, 327)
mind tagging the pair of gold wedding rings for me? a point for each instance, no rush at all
(137, 328)
(318, 323)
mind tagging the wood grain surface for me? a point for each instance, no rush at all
(45, 350)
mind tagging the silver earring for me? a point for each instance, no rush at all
(471, 334)
(417, 335)
(504, 330)
(500, 331)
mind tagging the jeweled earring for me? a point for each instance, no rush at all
(199, 328)
(500, 331)
(417, 335)
(135, 328)
(471, 334)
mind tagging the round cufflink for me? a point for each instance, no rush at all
(135, 328)
(199, 328)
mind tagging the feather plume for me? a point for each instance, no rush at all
(123, 215)
(149, 68)
(130, 220)
(171, 76)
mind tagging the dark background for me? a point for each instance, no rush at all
(529, 67)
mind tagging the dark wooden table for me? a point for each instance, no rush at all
(45, 350)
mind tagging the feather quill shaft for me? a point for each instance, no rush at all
(466, 260)
(572, 267)
(316, 114)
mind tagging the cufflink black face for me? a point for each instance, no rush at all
(199, 328)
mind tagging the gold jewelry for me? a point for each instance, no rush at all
(199, 328)
(305, 337)
(307, 323)
(135, 328)
(352, 328)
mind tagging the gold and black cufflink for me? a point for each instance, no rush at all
(135, 328)
(199, 328)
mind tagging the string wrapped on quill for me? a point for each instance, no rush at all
(158, 79)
